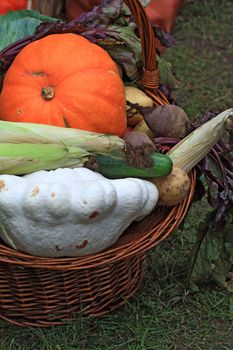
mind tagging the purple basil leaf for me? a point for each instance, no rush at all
(165, 38)
(213, 168)
(213, 194)
(168, 93)
(220, 216)
(230, 196)
(224, 194)
(101, 15)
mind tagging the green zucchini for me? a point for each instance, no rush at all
(116, 167)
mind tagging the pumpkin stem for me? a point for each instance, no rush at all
(48, 93)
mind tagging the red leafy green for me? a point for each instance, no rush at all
(217, 169)
(212, 259)
(212, 256)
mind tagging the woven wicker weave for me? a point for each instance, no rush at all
(51, 291)
(47, 7)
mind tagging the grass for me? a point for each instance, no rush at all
(165, 314)
(203, 56)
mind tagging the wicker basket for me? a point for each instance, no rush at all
(47, 7)
(42, 292)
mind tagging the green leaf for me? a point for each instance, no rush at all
(18, 24)
(166, 75)
(214, 167)
(212, 258)
(125, 58)
(125, 48)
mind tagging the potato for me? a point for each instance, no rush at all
(172, 188)
(134, 119)
(137, 96)
(142, 127)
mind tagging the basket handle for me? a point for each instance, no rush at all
(150, 73)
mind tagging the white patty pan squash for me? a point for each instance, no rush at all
(70, 212)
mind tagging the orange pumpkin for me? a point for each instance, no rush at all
(65, 80)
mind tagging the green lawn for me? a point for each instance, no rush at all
(164, 314)
(203, 56)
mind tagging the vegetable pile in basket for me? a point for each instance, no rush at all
(83, 150)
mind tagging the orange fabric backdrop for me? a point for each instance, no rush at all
(7, 5)
(164, 12)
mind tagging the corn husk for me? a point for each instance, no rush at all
(28, 147)
(194, 147)
(24, 158)
(11, 132)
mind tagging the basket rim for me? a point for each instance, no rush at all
(162, 229)
(117, 252)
